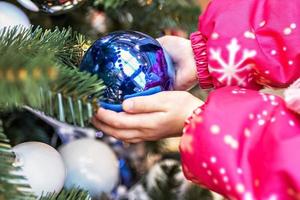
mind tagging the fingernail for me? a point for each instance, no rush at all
(128, 105)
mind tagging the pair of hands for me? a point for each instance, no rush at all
(161, 115)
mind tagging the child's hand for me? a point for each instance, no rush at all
(148, 118)
(181, 52)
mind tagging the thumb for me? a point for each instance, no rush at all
(145, 104)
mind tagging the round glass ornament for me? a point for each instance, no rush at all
(42, 165)
(11, 15)
(131, 64)
(51, 6)
(91, 165)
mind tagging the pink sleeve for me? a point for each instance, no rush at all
(243, 144)
(248, 43)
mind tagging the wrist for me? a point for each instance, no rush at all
(193, 105)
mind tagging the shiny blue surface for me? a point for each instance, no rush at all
(57, 6)
(130, 63)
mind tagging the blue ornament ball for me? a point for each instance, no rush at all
(130, 64)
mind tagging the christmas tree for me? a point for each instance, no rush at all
(43, 91)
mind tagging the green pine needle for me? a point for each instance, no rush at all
(24, 67)
(74, 97)
(169, 186)
(151, 16)
(72, 194)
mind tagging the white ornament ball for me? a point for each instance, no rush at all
(91, 165)
(42, 165)
(11, 15)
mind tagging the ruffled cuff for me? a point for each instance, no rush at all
(198, 41)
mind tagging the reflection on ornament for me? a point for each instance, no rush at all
(10, 15)
(91, 165)
(42, 166)
(51, 6)
(129, 63)
(29, 5)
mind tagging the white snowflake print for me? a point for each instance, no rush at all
(230, 70)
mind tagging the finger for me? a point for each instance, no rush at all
(125, 120)
(121, 134)
(146, 104)
(117, 120)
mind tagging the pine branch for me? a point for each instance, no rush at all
(110, 3)
(23, 67)
(73, 194)
(64, 45)
(13, 186)
(43, 74)
(73, 49)
(28, 61)
(167, 185)
(152, 16)
(73, 98)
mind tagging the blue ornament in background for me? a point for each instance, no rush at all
(130, 64)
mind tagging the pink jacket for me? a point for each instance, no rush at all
(243, 143)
